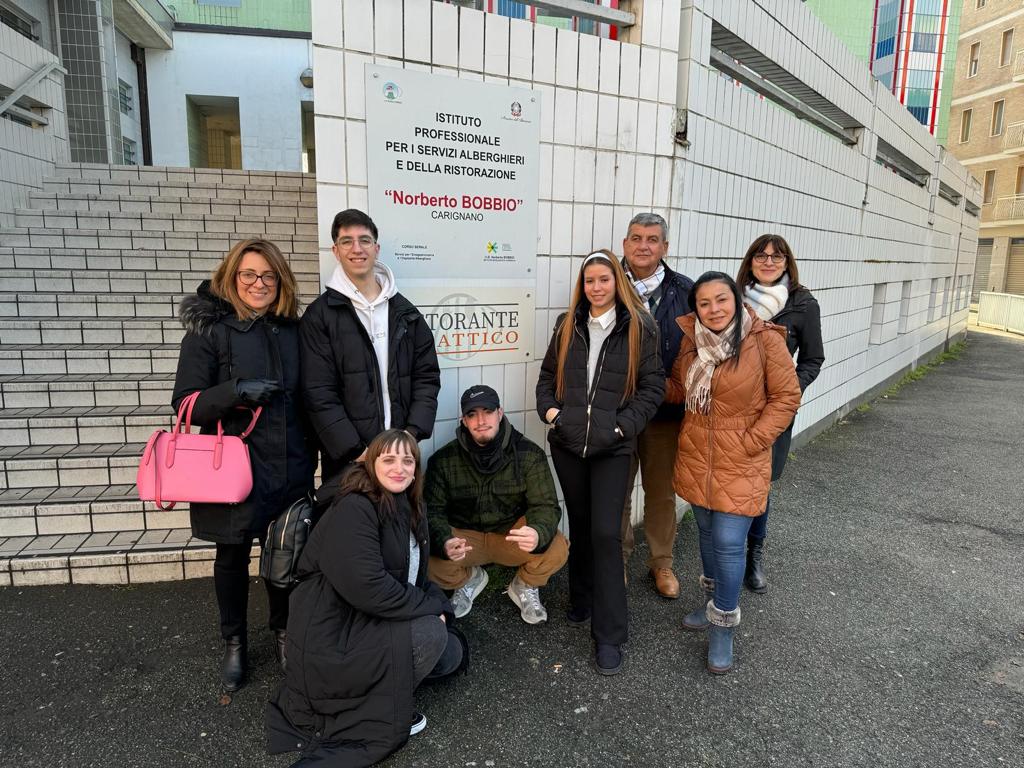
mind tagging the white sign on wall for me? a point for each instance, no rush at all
(453, 184)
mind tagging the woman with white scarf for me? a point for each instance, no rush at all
(737, 379)
(770, 283)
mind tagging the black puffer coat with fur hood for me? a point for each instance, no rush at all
(218, 349)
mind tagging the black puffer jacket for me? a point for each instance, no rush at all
(341, 380)
(218, 349)
(346, 699)
(589, 417)
(801, 317)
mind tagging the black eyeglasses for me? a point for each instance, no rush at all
(248, 277)
(777, 258)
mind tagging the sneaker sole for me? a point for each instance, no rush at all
(515, 599)
(418, 727)
(474, 595)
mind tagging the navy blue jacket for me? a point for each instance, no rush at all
(675, 293)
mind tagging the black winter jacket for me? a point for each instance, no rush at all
(586, 425)
(347, 696)
(802, 318)
(674, 302)
(341, 380)
(218, 349)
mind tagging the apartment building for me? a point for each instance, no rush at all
(987, 135)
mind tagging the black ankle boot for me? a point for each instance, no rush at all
(232, 670)
(754, 577)
(280, 640)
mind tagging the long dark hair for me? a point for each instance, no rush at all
(721, 277)
(745, 276)
(361, 477)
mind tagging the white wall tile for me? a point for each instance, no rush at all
(357, 23)
(388, 28)
(445, 26)
(586, 119)
(326, 17)
(355, 86)
(566, 58)
(544, 54)
(565, 116)
(649, 72)
(496, 43)
(329, 83)
(562, 176)
(471, 40)
(415, 23)
(520, 63)
(589, 62)
(608, 80)
(629, 70)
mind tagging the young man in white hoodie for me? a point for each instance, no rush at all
(368, 359)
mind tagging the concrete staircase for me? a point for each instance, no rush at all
(90, 280)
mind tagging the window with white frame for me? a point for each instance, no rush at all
(1006, 48)
(988, 189)
(998, 111)
(965, 125)
(972, 62)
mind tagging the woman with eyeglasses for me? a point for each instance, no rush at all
(241, 352)
(737, 380)
(770, 283)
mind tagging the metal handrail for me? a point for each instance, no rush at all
(1018, 63)
(1013, 138)
(7, 103)
(1011, 207)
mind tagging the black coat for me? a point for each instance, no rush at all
(218, 349)
(802, 318)
(675, 293)
(341, 379)
(588, 434)
(347, 696)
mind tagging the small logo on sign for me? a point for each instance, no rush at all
(517, 109)
(392, 92)
(492, 247)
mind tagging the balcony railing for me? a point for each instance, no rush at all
(1007, 208)
(1013, 139)
(1018, 67)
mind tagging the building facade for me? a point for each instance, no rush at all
(987, 122)
(909, 46)
(882, 219)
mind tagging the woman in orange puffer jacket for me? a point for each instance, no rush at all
(737, 379)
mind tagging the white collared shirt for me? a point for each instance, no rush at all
(600, 328)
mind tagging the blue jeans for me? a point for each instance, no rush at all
(759, 525)
(723, 550)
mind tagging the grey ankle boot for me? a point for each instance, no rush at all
(696, 620)
(723, 624)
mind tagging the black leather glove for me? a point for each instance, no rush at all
(256, 391)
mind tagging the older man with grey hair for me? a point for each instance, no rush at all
(665, 292)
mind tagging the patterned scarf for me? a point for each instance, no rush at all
(768, 300)
(647, 287)
(712, 350)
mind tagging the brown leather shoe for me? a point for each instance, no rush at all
(665, 582)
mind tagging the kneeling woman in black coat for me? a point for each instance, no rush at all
(366, 627)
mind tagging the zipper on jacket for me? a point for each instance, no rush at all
(287, 519)
(593, 385)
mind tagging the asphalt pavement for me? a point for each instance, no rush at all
(892, 633)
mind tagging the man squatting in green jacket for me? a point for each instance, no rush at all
(491, 499)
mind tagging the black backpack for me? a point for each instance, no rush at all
(287, 535)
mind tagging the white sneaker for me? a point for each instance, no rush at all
(419, 722)
(463, 597)
(527, 599)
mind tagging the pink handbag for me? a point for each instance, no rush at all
(210, 469)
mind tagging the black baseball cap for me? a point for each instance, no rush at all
(480, 396)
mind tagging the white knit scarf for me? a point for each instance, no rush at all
(647, 285)
(712, 350)
(768, 300)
